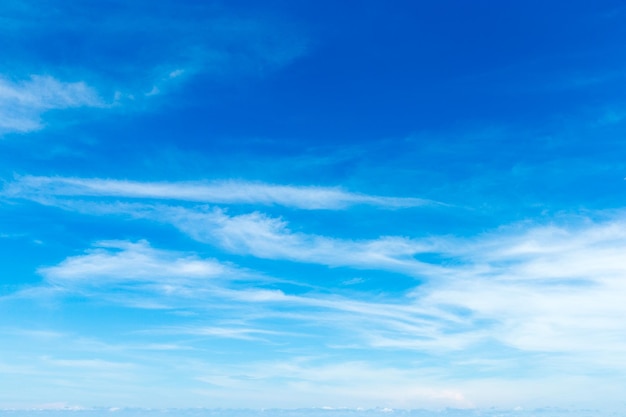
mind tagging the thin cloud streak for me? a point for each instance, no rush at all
(219, 192)
(268, 237)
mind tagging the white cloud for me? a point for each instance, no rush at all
(544, 289)
(221, 192)
(22, 103)
(249, 234)
(143, 277)
(228, 332)
(199, 39)
(126, 261)
(57, 406)
(268, 237)
(502, 293)
(94, 364)
(139, 276)
(553, 289)
(313, 382)
(115, 264)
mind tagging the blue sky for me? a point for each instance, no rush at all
(304, 204)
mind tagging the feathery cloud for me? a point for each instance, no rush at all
(23, 103)
(219, 192)
(542, 289)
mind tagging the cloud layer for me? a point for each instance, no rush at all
(218, 204)
(541, 289)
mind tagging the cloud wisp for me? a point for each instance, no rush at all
(199, 39)
(218, 192)
(254, 233)
(114, 262)
(547, 288)
(266, 237)
(138, 275)
(180, 278)
(22, 103)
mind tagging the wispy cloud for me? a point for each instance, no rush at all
(546, 292)
(95, 364)
(138, 267)
(228, 332)
(550, 294)
(547, 288)
(539, 289)
(220, 192)
(22, 103)
(254, 233)
(135, 274)
(150, 46)
(268, 237)
(534, 288)
(128, 261)
(332, 384)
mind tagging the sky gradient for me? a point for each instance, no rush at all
(303, 204)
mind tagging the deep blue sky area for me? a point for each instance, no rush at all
(313, 207)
